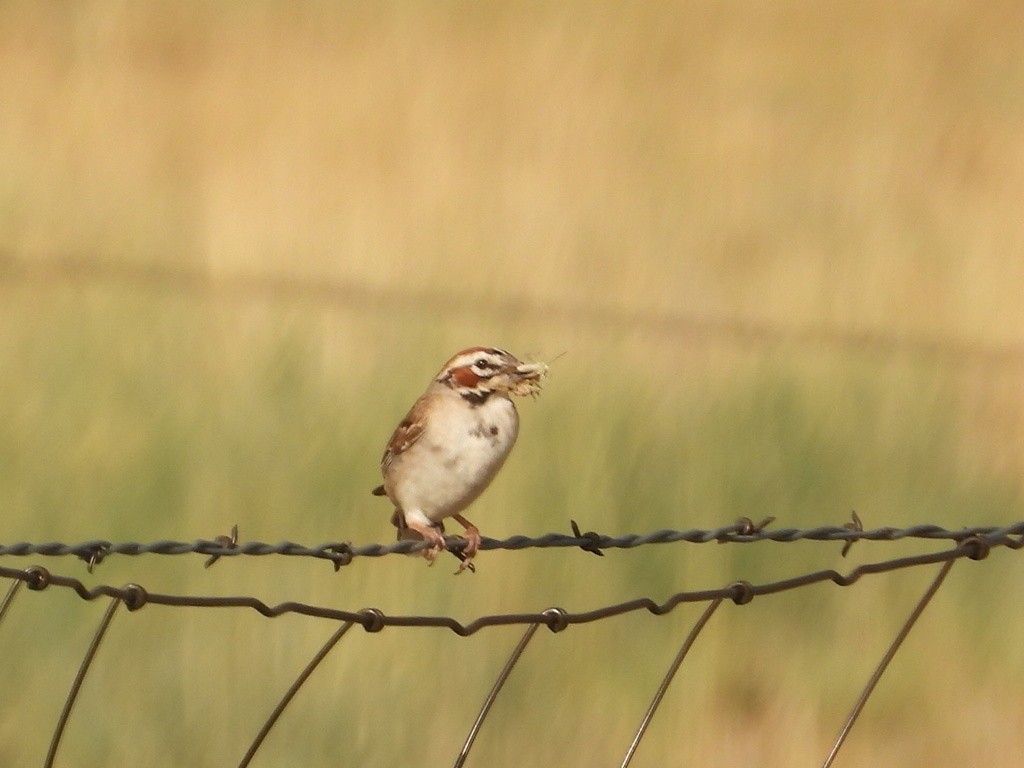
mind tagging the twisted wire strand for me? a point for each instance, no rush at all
(343, 552)
(975, 547)
(971, 543)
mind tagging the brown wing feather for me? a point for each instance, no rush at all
(406, 434)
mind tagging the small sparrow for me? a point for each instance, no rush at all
(452, 443)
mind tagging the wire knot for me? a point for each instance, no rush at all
(372, 619)
(134, 597)
(976, 547)
(38, 578)
(742, 592)
(556, 619)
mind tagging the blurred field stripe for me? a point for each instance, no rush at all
(692, 327)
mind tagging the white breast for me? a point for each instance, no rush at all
(461, 450)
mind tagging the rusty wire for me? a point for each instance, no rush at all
(974, 543)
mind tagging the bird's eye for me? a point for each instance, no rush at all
(483, 362)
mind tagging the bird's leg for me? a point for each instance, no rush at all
(472, 536)
(433, 534)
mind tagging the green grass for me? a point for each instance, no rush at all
(707, 211)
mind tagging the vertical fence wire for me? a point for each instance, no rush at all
(493, 694)
(667, 680)
(62, 721)
(884, 663)
(292, 690)
(975, 546)
(12, 592)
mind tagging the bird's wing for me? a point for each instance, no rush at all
(406, 433)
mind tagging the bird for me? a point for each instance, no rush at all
(452, 443)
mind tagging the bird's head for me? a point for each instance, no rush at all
(478, 372)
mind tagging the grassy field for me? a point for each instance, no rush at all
(780, 246)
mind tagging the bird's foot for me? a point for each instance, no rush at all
(472, 536)
(437, 545)
(432, 534)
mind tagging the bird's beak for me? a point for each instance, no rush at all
(525, 378)
(529, 371)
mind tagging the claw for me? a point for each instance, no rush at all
(437, 544)
(473, 538)
(432, 534)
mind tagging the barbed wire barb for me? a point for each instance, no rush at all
(342, 553)
(372, 619)
(974, 543)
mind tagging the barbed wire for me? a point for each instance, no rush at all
(342, 553)
(973, 543)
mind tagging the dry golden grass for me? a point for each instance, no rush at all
(781, 246)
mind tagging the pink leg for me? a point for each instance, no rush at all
(472, 535)
(430, 534)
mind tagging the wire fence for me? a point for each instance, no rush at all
(971, 543)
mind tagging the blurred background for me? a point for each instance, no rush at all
(780, 246)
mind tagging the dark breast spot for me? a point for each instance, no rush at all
(486, 432)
